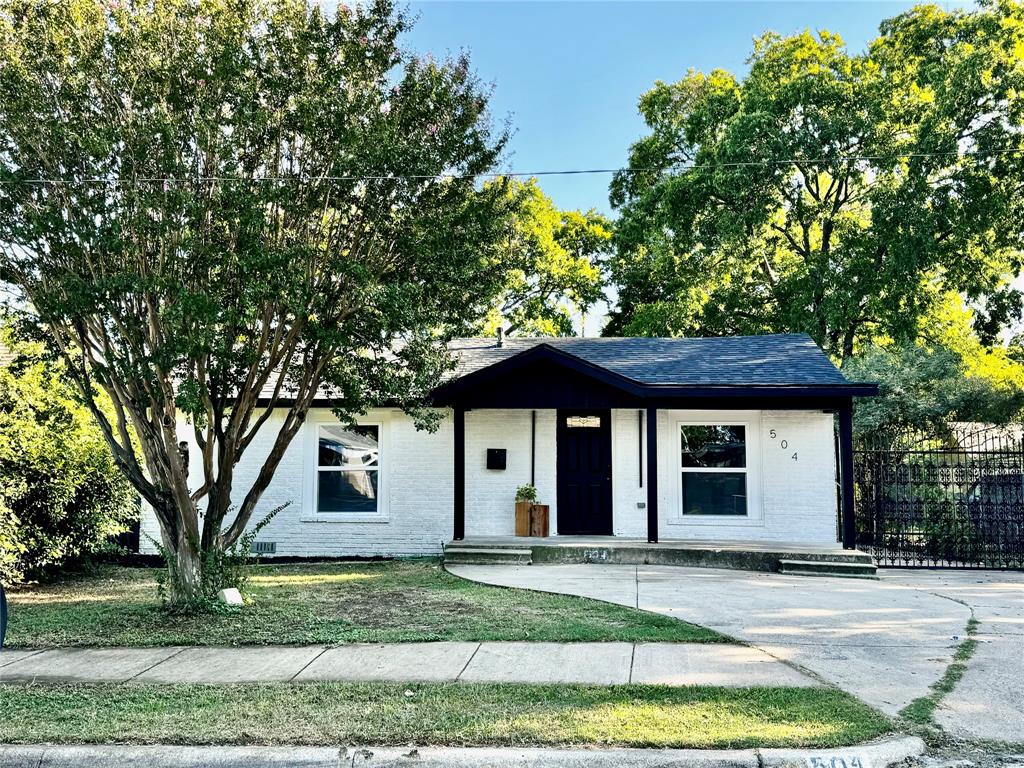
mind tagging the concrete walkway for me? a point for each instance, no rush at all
(989, 701)
(520, 662)
(885, 641)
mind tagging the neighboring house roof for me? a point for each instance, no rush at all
(780, 359)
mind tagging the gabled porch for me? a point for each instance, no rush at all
(603, 447)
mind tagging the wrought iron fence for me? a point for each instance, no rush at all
(952, 498)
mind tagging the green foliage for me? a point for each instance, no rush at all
(61, 496)
(746, 213)
(526, 493)
(549, 262)
(925, 387)
(243, 197)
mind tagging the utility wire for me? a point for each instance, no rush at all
(495, 175)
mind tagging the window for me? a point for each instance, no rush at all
(713, 462)
(348, 469)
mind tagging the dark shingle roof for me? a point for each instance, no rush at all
(770, 360)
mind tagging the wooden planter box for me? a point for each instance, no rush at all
(531, 519)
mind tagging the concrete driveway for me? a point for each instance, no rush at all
(885, 641)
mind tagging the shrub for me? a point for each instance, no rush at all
(61, 495)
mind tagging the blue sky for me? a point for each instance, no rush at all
(568, 74)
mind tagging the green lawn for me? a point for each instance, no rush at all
(392, 601)
(452, 714)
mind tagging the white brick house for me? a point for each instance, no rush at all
(727, 439)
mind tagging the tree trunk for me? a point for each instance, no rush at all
(185, 571)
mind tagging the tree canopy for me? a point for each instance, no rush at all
(218, 206)
(836, 193)
(550, 264)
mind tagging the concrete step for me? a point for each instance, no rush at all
(862, 570)
(462, 555)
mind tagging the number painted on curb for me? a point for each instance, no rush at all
(837, 761)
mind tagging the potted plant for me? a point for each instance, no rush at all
(531, 517)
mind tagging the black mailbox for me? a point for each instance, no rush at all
(495, 458)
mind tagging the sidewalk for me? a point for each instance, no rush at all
(493, 662)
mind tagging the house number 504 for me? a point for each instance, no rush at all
(783, 444)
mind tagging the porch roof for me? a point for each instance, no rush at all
(572, 371)
(776, 359)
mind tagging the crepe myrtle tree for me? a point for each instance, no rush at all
(218, 208)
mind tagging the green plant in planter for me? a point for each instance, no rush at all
(526, 493)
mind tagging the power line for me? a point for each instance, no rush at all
(840, 159)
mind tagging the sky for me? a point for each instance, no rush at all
(567, 75)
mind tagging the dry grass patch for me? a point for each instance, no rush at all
(330, 603)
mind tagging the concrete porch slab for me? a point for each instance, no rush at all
(524, 662)
(741, 555)
(107, 665)
(711, 664)
(232, 665)
(414, 662)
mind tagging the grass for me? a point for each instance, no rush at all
(449, 714)
(328, 603)
(921, 711)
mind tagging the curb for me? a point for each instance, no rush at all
(875, 755)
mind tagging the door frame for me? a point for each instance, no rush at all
(606, 428)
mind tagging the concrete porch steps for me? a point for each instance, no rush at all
(741, 555)
(457, 554)
(858, 570)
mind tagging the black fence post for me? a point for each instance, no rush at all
(846, 475)
(3, 615)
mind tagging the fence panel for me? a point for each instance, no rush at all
(950, 499)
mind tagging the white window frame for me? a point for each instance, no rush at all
(751, 422)
(310, 513)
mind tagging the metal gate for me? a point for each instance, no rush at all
(953, 498)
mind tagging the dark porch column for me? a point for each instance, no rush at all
(460, 473)
(652, 475)
(846, 474)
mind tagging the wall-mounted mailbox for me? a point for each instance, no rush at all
(495, 458)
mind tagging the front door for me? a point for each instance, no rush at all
(585, 472)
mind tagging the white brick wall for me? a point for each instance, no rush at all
(627, 518)
(490, 493)
(792, 500)
(416, 482)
